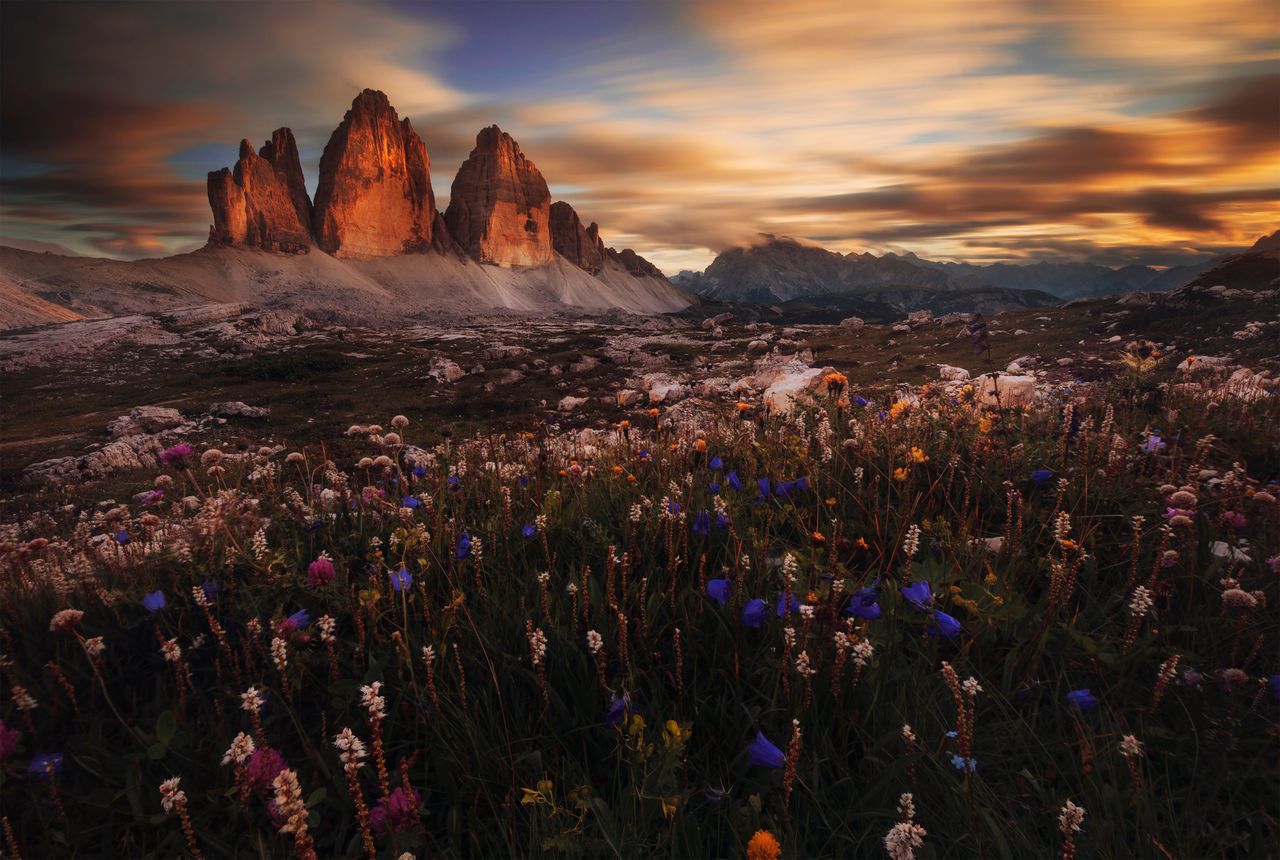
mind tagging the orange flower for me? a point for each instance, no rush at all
(653, 413)
(861, 543)
(743, 407)
(900, 474)
(763, 846)
(818, 538)
(918, 456)
(700, 446)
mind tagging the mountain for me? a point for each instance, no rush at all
(1256, 268)
(371, 247)
(783, 269)
(780, 269)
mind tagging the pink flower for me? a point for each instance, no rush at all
(320, 572)
(398, 811)
(177, 455)
(264, 765)
(8, 742)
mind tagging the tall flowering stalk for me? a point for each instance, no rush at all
(238, 755)
(1166, 673)
(351, 753)
(174, 801)
(1070, 820)
(538, 656)
(376, 705)
(793, 759)
(201, 599)
(326, 626)
(1139, 605)
(906, 836)
(964, 695)
(429, 660)
(595, 645)
(293, 812)
(909, 738)
(251, 702)
(1131, 749)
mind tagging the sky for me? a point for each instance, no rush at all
(1112, 131)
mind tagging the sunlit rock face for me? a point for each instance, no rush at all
(499, 206)
(262, 202)
(374, 196)
(577, 244)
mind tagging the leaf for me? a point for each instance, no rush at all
(317, 797)
(155, 752)
(166, 727)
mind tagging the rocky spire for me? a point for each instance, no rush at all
(499, 205)
(579, 245)
(374, 197)
(263, 202)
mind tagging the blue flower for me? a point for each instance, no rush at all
(453, 482)
(722, 521)
(860, 400)
(463, 549)
(211, 589)
(716, 464)
(154, 601)
(419, 471)
(863, 604)
(42, 764)
(942, 624)
(619, 710)
(734, 481)
(1152, 444)
(920, 594)
(1082, 700)
(122, 538)
(801, 483)
(299, 619)
(702, 523)
(952, 735)
(524, 481)
(719, 590)
(1275, 686)
(961, 763)
(755, 612)
(713, 489)
(1041, 475)
(401, 579)
(791, 604)
(673, 507)
(529, 530)
(410, 502)
(764, 489)
(764, 754)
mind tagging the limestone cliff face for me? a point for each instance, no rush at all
(263, 202)
(634, 263)
(374, 196)
(579, 245)
(499, 205)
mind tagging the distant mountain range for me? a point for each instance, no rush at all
(781, 269)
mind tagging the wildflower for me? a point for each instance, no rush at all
(1082, 700)
(942, 624)
(1130, 746)
(297, 621)
(122, 537)
(1070, 819)
(1235, 598)
(911, 544)
(252, 701)
(1152, 444)
(176, 455)
(755, 612)
(917, 455)
(401, 579)
(619, 710)
(529, 530)
(321, 571)
(762, 753)
(463, 548)
(22, 700)
(370, 698)
(900, 474)
(1141, 602)
(397, 812)
(1041, 475)
(351, 749)
(94, 646)
(171, 795)
(903, 839)
(717, 464)
(154, 601)
(65, 619)
(863, 604)
(595, 642)
(44, 765)
(969, 765)
(242, 747)
(264, 765)
(289, 803)
(718, 589)
(919, 594)
(763, 845)
(702, 523)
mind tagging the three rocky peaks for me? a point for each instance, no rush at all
(374, 199)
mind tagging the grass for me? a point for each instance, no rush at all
(637, 533)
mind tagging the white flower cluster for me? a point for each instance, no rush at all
(911, 544)
(241, 749)
(1070, 819)
(595, 642)
(326, 625)
(172, 797)
(537, 646)
(1141, 603)
(369, 697)
(171, 650)
(351, 749)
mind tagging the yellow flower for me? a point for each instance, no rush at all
(743, 407)
(984, 424)
(861, 543)
(831, 502)
(674, 734)
(670, 804)
(900, 474)
(763, 846)
(617, 470)
(898, 407)
(835, 382)
(918, 456)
